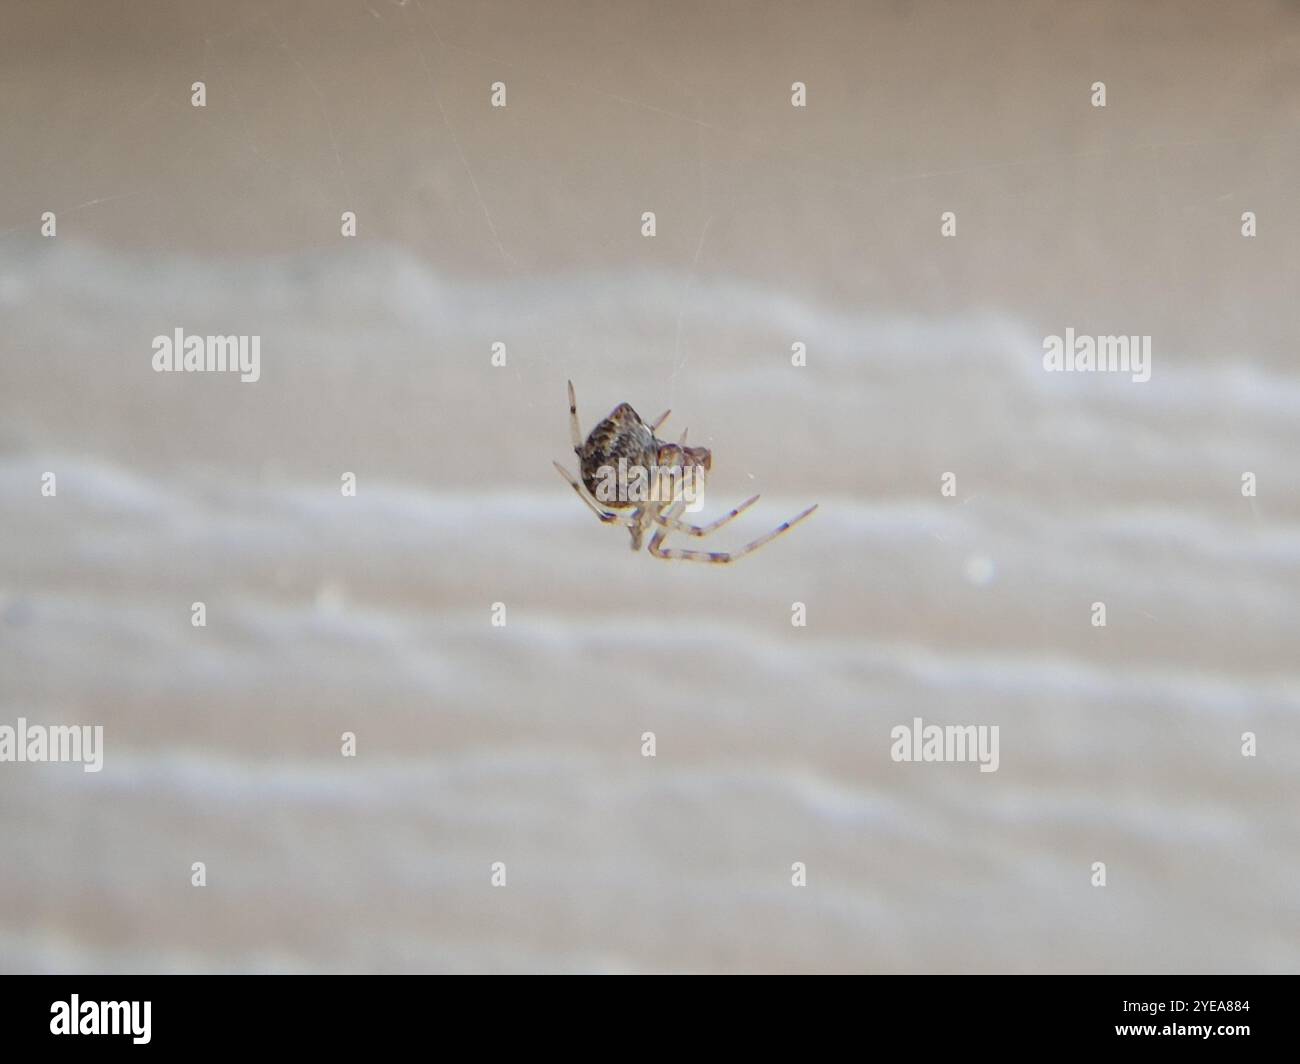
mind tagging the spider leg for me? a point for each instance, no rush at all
(654, 427)
(575, 433)
(643, 518)
(665, 518)
(712, 526)
(607, 516)
(714, 557)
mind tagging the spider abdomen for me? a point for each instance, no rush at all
(622, 435)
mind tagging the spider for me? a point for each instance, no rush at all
(624, 441)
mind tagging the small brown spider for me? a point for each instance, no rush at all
(622, 443)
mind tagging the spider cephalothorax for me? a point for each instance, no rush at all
(625, 466)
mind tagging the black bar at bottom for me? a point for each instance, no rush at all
(341, 1013)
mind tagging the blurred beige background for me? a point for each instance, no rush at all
(522, 744)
